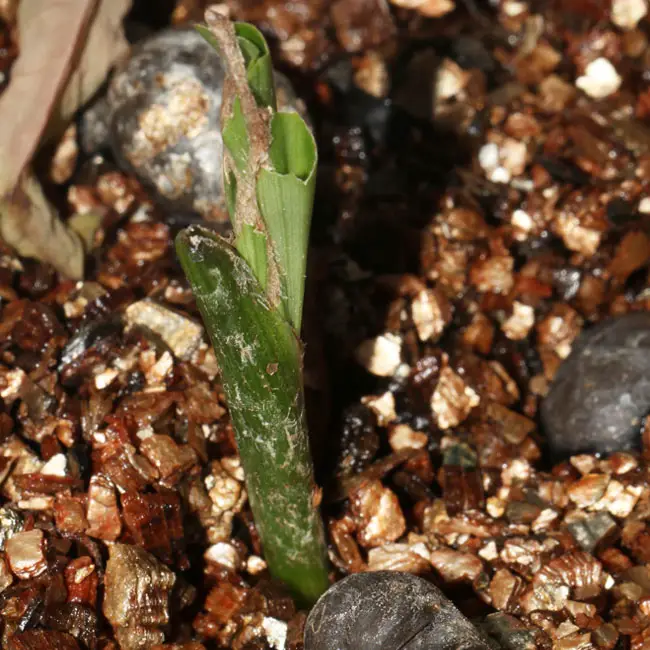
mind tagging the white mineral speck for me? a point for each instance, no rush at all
(383, 406)
(600, 79)
(626, 14)
(276, 632)
(517, 326)
(451, 80)
(499, 175)
(513, 9)
(644, 205)
(224, 554)
(380, 356)
(403, 437)
(521, 219)
(488, 156)
(255, 565)
(105, 378)
(145, 432)
(56, 466)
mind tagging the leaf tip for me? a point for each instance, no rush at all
(191, 241)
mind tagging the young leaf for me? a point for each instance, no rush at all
(208, 36)
(252, 246)
(260, 361)
(257, 58)
(235, 137)
(286, 198)
(247, 138)
(259, 67)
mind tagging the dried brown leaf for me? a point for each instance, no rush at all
(32, 226)
(66, 49)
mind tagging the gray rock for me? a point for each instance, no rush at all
(601, 392)
(388, 610)
(160, 118)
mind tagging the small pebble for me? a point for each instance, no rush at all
(161, 120)
(626, 14)
(600, 79)
(380, 356)
(601, 392)
(388, 610)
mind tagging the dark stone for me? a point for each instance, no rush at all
(601, 392)
(88, 335)
(36, 279)
(388, 610)
(509, 632)
(563, 170)
(620, 212)
(78, 620)
(359, 440)
(469, 52)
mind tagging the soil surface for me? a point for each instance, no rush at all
(482, 198)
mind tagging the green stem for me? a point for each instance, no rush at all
(260, 360)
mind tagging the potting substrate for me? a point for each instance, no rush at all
(477, 336)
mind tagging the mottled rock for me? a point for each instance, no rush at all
(388, 610)
(161, 120)
(601, 392)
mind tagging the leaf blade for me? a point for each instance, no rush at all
(259, 68)
(235, 136)
(286, 198)
(260, 359)
(251, 245)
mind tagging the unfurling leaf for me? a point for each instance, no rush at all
(275, 153)
(286, 198)
(259, 67)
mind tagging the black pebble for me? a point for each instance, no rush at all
(88, 335)
(359, 439)
(388, 610)
(601, 392)
(620, 212)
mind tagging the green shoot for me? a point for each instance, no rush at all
(250, 294)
